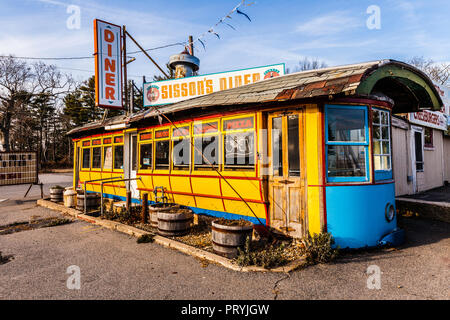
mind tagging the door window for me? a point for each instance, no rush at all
(418, 150)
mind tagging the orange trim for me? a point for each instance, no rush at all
(197, 176)
(98, 135)
(206, 196)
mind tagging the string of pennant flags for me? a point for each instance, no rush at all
(200, 39)
(223, 20)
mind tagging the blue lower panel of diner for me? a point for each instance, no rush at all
(218, 214)
(356, 215)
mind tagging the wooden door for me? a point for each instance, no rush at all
(287, 173)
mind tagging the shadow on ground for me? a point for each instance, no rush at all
(418, 232)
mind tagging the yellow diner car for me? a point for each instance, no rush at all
(302, 153)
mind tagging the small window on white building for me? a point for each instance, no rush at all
(428, 137)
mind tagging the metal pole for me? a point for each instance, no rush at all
(84, 205)
(124, 63)
(145, 52)
(191, 45)
(101, 198)
(132, 97)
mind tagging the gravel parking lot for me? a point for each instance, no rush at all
(113, 266)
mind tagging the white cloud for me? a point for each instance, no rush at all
(330, 23)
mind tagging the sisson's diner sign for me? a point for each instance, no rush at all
(175, 90)
(108, 65)
(434, 119)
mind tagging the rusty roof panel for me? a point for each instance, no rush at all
(306, 84)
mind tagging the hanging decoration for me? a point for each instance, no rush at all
(212, 30)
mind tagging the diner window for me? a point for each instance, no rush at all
(239, 150)
(206, 151)
(206, 145)
(181, 151)
(277, 146)
(381, 137)
(346, 143)
(162, 149)
(118, 157)
(107, 157)
(145, 154)
(86, 158)
(96, 158)
(428, 135)
(239, 144)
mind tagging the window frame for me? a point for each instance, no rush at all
(428, 146)
(92, 160)
(82, 158)
(201, 135)
(145, 142)
(114, 145)
(422, 141)
(174, 139)
(225, 132)
(365, 143)
(155, 142)
(104, 146)
(383, 174)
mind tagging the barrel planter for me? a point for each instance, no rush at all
(227, 239)
(70, 198)
(174, 222)
(153, 210)
(56, 194)
(92, 201)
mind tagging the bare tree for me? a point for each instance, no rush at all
(14, 78)
(19, 83)
(439, 72)
(308, 64)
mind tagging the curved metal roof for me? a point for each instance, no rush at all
(357, 80)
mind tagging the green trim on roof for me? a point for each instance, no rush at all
(415, 81)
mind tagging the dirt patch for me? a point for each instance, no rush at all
(233, 223)
(5, 258)
(33, 224)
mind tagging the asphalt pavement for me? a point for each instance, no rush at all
(113, 266)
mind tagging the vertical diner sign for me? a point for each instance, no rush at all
(108, 65)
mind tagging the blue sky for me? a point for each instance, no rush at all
(280, 31)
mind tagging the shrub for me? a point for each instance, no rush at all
(318, 248)
(146, 238)
(270, 257)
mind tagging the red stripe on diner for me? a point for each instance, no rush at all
(206, 196)
(105, 185)
(198, 176)
(98, 135)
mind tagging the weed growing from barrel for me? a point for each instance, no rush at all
(269, 257)
(319, 248)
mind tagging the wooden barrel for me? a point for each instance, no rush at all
(174, 222)
(56, 194)
(227, 239)
(92, 201)
(153, 212)
(70, 198)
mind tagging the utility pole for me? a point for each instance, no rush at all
(191, 45)
(131, 96)
(124, 64)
